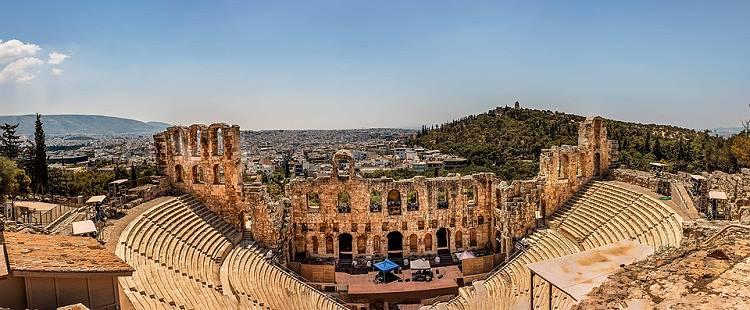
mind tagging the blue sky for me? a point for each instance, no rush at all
(347, 64)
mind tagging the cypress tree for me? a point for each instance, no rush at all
(10, 143)
(40, 176)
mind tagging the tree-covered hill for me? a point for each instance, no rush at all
(508, 141)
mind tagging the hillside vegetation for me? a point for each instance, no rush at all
(508, 141)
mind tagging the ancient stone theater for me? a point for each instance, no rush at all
(344, 241)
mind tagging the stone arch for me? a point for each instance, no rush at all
(329, 245)
(197, 174)
(313, 201)
(394, 202)
(376, 201)
(376, 244)
(217, 141)
(442, 198)
(480, 220)
(473, 238)
(443, 239)
(459, 240)
(343, 204)
(427, 240)
(219, 174)
(470, 194)
(563, 164)
(178, 173)
(413, 243)
(315, 244)
(342, 163)
(299, 246)
(412, 200)
(345, 246)
(196, 147)
(177, 142)
(395, 244)
(361, 245)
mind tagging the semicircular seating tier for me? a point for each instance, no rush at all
(257, 282)
(600, 213)
(177, 249)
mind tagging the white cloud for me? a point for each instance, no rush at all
(14, 49)
(56, 58)
(19, 61)
(20, 70)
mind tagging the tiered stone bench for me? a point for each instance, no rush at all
(261, 283)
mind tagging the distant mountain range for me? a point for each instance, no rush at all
(55, 125)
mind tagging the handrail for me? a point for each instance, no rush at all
(725, 228)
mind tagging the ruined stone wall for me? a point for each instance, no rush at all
(736, 186)
(268, 220)
(205, 161)
(462, 218)
(515, 214)
(639, 178)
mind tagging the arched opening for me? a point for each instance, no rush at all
(219, 142)
(361, 245)
(343, 164)
(480, 220)
(345, 247)
(442, 240)
(376, 244)
(177, 173)
(459, 240)
(564, 162)
(442, 199)
(197, 142)
(329, 245)
(177, 142)
(498, 242)
(581, 164)
(473, 238)
(343, 205)
(470, 194)
(395, 245)
(218, 174)
(412, 201)
(597, 164)
(427, 242)
(197, 174)
(394, 202)
(413, 242)
(299, 248)
(315, 245)
(313, 201)
(375, 202)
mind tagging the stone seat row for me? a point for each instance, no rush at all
(176, 248)
(259, 282)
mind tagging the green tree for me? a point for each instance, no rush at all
(9, 141)
(40, 176)
(13, 180)
(741, 149)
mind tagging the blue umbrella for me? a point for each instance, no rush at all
(386, 266)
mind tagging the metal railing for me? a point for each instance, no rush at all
(41, 218)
